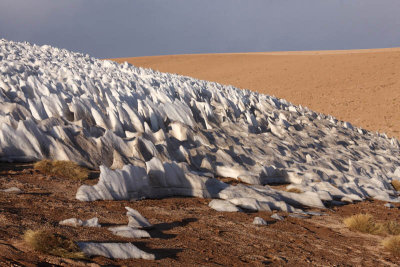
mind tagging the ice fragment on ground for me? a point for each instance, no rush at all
(223, 205)
(13, 190)
(74, 222)
(250, 204)
(277, 217)
(389, 205)
(93, 222)
(136, 220)
(114, 250)
(259, 221)
(129, 232)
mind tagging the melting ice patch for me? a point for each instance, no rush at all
(172, 135)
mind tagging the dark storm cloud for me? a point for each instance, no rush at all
(106, 28)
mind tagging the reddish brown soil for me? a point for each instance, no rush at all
(187, 232)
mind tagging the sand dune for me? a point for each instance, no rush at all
(360, 86)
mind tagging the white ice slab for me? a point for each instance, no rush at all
(222, 205)
(136, 220)
(129, 232)
(12, 190)
(114, 250)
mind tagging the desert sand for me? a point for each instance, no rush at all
(359, 86)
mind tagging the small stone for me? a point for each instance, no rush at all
(277, 217)
(259, 221)
(389, 205)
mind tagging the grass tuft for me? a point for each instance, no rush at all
(62, 168)
(392, 244)
(363, 223)
(50, 243)
(391, 228)
(396, 185)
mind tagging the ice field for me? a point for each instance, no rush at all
(155, 135)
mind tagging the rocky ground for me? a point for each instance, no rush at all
(187, 232)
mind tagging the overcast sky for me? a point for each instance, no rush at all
(125, 28)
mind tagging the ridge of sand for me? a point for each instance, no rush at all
(360, 86)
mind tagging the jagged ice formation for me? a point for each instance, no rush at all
(167, 134)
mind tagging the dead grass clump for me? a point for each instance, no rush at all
(392, 244)
(50, 243)
(396, 185)
(363, 223)
(391, 228)
(62, 168)
(294, 190)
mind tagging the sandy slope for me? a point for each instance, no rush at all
(360, 86)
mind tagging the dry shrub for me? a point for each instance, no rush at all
(62, 168)
(391, 228)
(363, 223)
(396, 185)
(50, 243)
(294, 190)
(392, 244)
